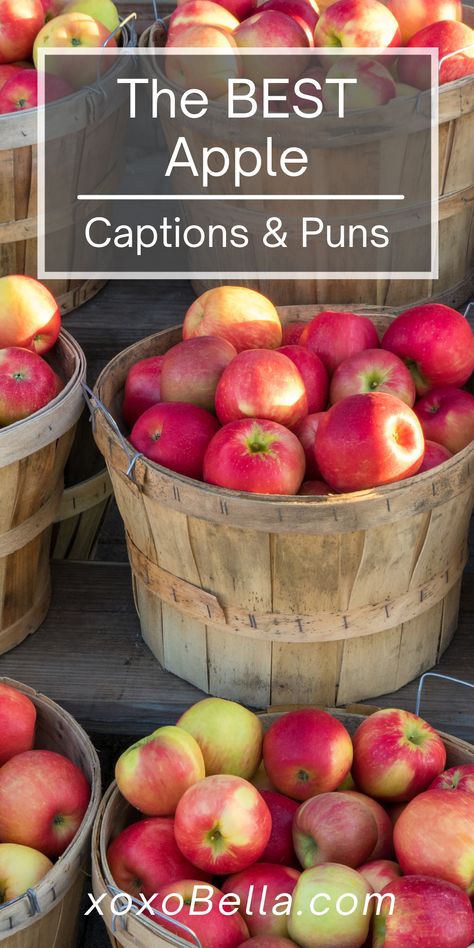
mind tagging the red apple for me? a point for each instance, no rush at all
(17, 723)
(261, 383)
(396, 755)
(257, 456)
(144, 857)
(280, 848)
(22, 91)
(333, 827)
(154, 773)
(413, 15)
(435, 342)
(244, 317)
(229, 735)
(74, 31)
(260, 890)
(20, 21)
(274, 30)
(268, 941)
(30, 314)
(447, 417)
(331, 908)
(304, 12)
(366, 441)
(292, 333)
(43, 800)
(456, 778)
(307, 752)
(21, 869)
(239, 8)
(211, 72)
(27, 384)
(380, 873)
(373, 370)
(306, 431)
(201, 13)
(313, 373)
(434, 455)
(423, 913)
(9, 72)
(192, 369)
(222, 824)
(335, 336)
(375, 85)
(357, 23)
(142, 388)
(175, 435)
(448, 36)
(383, 848)
(198, 907)
(315, 488)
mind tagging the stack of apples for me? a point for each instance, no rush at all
(30, 324)
(300, 836)
(43, 799)
(315, 408)
(27, 26)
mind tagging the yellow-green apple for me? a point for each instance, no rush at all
(264, 890)
(303, 11)
(420, 913)
(257, 456)
(203, 909)
(332, 827)
(404, 90)
(434, 836)
(447, 416)
(191, 370)
(279, 848)
(244, 317)
(336, 336)
(17, 723)
(315, 488)
(21, 868)
(73, 31)
(261, 383)
(348, 783)
(268, 941)
(30, 314)
(307, 752)
(434, 455)
(448, 36)
(375, 85)
(175, 435)
(201, 13)
(154, 773)
(357, 23)
(142, 388)
(380, 872)
(331, 908)
(271, 29)
(212, 72)
(20, 21)
(229, 735)
(9, 71)
(413, 15)
(313, 373)
(396, 755)
(435, 342)
(456, 778)
(383, 848)
(373, 370)
(102, 10)
(222, 824)
(239, 8)
(145, 856)
(27, 384)
(365, 441)
(22, 92)
(306, 431)
(43, 800)
(291, 333)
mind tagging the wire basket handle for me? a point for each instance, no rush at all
(419, 694)
(137, 906)
(94, 405)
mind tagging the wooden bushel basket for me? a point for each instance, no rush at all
(47, 916)
(115, 813)
(276, 600)
(33, 454)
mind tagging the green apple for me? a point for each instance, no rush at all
(230, 736)
(102, 10)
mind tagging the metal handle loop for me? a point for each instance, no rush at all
(94, 405)
(456, 681)
(113, 890)
(128, 19)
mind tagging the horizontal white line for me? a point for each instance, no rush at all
(240, 197)
(44, 274)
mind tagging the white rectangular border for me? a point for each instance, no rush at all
(432, 274)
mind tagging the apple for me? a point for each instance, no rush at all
(244, 317)
(73, 31)
(191, 369)
(30, 314)
(261, 383)
(357, 23)
(335, 336)
(102, 10)
(307, 752)
(229, 735)
(8, 72)
(448, 36)
(375, 85)
(291, 333)
(434, 836)
(373, 370)
(142, 388)
(380, 872)
(175, 435)
(17, 723)
(326, 890)
(22, 91)
(313, 373)
(302, 11)
(306, 431)
(154, 773)
(456, 778)
(279, 848)
(396, 755)
(201, 13)
(315, 488)
(276, 30)
(333, 827)
(257, 456)
(239, 8)
(434, 455)
(21, 868)
(423, 913)
(144, 857)
(414, 15)
(447, 417)
(403, 90)
(260, 889)
(20, 21)
(268, 941)
(52, 8)
(365, 441)
(435, 342)
(199, 908)
(27, 384)
(383, 848)
(214, 71)
(43, 800)
(222, 824)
